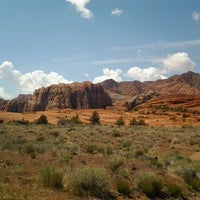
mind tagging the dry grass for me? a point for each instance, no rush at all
(132, 150)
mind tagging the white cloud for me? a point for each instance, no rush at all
(196, 16)
(28, 82)
(109, 74)
(116, 12)
(3, 94)
(145, 74)
(80, 7)
(180, 62)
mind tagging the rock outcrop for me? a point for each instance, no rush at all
(76, 96)
(15, 105)
(132, 93)
(140, 99)
(127, 94)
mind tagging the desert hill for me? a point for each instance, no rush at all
(134, 93)
(179, 91)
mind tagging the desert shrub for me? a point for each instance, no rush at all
(123, 188)
(21, 122)
(133, 122)
(115, 163)
(141, 122)
(40, 138)
(51, 177)
(88, 181)
(75, 120)
(66, 157)
(55, 133)
(154, 161)
(62, 121)
(116, 133)
(120, 121)
(93, 148)
(95, 118)
(185, 168)
(190, 176)
(33, 155)
(1, 121)
(174, 190)
(127, 143)
(29, 148)
(42, 120)
(123, 172)
(138, 153)
(108, 150)
(150, 185)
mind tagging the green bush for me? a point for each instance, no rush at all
(95, 118)
(88, 181)
(93, 148)
(190, 176)
(133, 122)
(150, 185)
(116, 133)
(174, 190)
(51, 177)
(42, 120)
(141, 122)
(115, 163)
(21, 122)
(75, 120)
(123, 188)
(120, 121)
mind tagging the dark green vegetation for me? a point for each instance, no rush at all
(72, 160)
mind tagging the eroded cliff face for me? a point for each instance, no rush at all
(76, 96)
(15, 105)
(120, 94)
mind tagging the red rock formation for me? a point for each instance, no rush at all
(76, 96)
(87, 95)
(125, 93)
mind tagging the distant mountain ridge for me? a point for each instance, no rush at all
(121, 92)
(108, 93)
(177, 84)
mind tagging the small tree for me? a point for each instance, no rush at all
(95, 118)
(133, 121)
(120, 121)
(42, 120)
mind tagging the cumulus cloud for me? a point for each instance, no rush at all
(3, 94)
(116, 12)
(109, 74)
(28, 82)
(80, 7)
(196, 16)
(180, 62)
(145, 74)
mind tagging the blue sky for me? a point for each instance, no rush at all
(52, 41)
